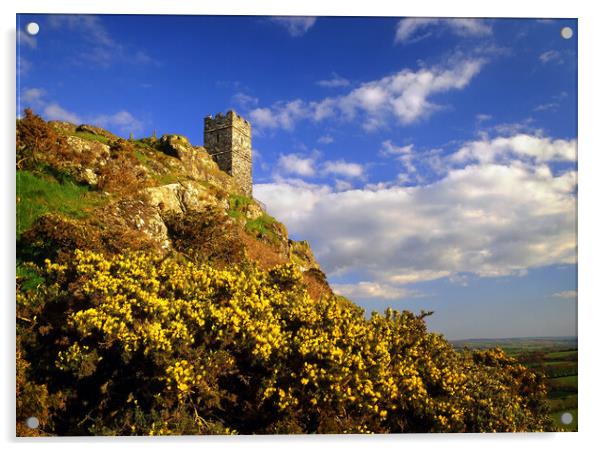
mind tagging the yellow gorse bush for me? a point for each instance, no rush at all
(149, 345)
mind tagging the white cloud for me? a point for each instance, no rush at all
(26, 39)
(297, 25)
(53, 111)
(244, 100)
(101, 48)
(515, 128)
(23, 65)
(335, 82)
(407, 29)
(281, 115)
(570, 294)
(371, 290)
(297, 165)
(521, 146)
(487, 218)
(326, 139)
(32, 97)
(388, 148)
(552, 106)
(123, 120)
(551, 56)
(342, 185)
(342, 168)
(404, 96)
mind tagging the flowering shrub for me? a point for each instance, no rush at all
(139, 344)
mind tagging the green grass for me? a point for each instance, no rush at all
(563, 355)
(92, 137)
(30, 279)
(238, 205)
(141, 157)
(39, 194)
(567, 402)
(262, 227)
(568, 381)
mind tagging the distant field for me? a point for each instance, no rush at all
(562, 355)
(554, 356)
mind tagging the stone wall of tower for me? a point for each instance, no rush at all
(228, 141)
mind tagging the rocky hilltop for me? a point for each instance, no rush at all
(160, 194)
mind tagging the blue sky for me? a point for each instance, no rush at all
(430, 163)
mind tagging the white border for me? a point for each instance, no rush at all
(590, 169)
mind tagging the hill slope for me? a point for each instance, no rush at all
(154, 298)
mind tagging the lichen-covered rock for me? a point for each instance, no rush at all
(175, 145)
(301, 254)
(63, 127)
(92, 150)
(88, 176)
(253, 211)
(87, 128)
(180, 197)
(165, 198)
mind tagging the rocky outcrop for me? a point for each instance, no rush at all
(196, 162)
(177, 179)
(63, 127)
(181, 197)
(92, 129)
(301, 254)
(253, 211)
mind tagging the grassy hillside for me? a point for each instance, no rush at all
(154, 298)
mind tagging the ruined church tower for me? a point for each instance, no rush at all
(228, 141)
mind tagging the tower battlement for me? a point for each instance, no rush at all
(230, 119)
(228, 140)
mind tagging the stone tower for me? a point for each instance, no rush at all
(228, 141)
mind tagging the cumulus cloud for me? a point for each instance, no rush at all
(297, 25)
(123, 120)
(388, 148)
(343, 168)
(100, 46)
(372, 290)
(408, 29)
(342, 185)
(281, 115)
(489, 217)
(404, 96)
(53, 111)
(37, 98)
(520, 146)
(297, 164)
(32, 97)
